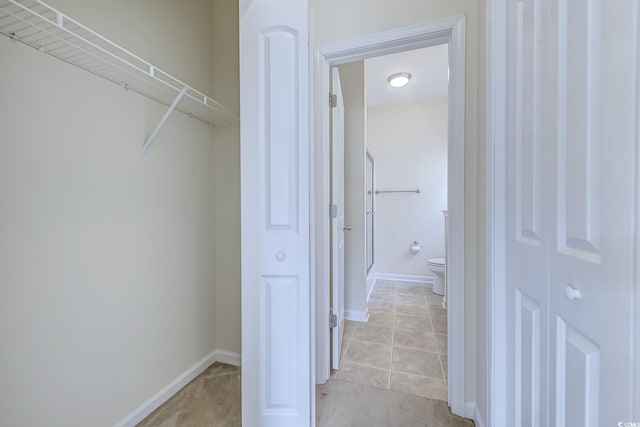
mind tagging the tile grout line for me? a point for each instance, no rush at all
(419, 375)
(363, 365)
(444, 377)
(433, 333)
(346, 349)
(393, 333)
(395, 294)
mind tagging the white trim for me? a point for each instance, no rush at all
(469, 409)
(391, 41)
(154, 402)
(370, 291)
(456, 312)
(357, 315)
(371, 281)
(322, 251)
(478, 418)
(474, 413)
(496, 125)
(228, 357)
(404, 278)
(452, 31)
(312, 236)
(636, 279)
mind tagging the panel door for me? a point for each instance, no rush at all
(571, 171)
(337, 220)
(528, 236)
(593, 59)
(274, 96)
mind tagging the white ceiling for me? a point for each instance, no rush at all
(429, 75)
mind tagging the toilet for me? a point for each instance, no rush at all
(436, 265)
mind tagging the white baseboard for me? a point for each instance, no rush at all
(357, 315)
(470, 412)
(228, 357)
(404, 278)
(469, 409)
(478, 418)
(372, 287)
(371, 282)
(176, 385)
(473, 413)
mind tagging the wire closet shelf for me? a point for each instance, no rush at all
(36, 24)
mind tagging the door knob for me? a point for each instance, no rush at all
(346, 228)
(572, 293)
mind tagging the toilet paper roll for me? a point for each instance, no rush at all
(416, 248)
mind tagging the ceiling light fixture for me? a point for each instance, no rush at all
(399, 79)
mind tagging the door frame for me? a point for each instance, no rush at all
(451, 31)
(496, 187)
(636, 300)
(338, 235)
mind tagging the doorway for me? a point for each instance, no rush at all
(396, 331)
(450, 32)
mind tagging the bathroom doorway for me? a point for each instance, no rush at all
(449, 31)
(396, 338)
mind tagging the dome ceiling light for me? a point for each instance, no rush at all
(399, 79)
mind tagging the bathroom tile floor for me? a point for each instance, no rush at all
(389, 366)
(403, 347)
(213, 400)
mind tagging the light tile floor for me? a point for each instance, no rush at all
(213, 400)
(403, 347)
(400, 351)
(347, 404)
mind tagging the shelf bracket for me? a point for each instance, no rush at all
(164, 119)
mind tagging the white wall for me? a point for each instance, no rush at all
(355, 120)
(409, 144)
(226, 77)
(336, 20)
(107, 255)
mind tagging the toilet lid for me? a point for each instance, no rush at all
(436, 261)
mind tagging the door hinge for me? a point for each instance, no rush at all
(334, 211)
(333, 321)
(333, 100)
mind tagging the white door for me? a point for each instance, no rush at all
(591, 261)
(572, 91)
(528, 218)
(274, 96)
(337, 218)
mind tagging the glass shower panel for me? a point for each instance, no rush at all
(370, 214)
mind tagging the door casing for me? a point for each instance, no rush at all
(452, 31)
(496, 189)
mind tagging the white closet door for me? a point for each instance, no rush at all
(591, 260)
(570, 207)
(528, 219)
(274, 89)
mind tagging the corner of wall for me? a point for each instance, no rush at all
(226, 87)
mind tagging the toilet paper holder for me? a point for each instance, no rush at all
(415, 247)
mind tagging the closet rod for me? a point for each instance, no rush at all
(397, 191)
(40, 26)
